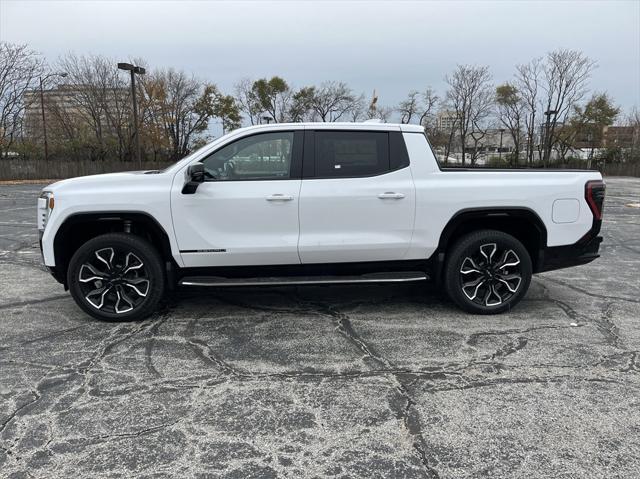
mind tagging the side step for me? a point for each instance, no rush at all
(390, 277)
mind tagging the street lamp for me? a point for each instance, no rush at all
(140, 71)
(267, 119)
(500, 150)
(44, 120)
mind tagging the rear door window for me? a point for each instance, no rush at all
(343, 154)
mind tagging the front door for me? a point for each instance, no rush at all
(246, 211)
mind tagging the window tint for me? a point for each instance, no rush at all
(344, 154)
(259, 157)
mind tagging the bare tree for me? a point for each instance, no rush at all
(528, 85)
(450, 139)
(418, 105)
(358, 108)
(19, 71)
(566, 73)
(477, 134)
(409, 107)
(97, 107)
(471, 97)
(332, 100)
(384, 113)
(180, 106)
(429, 102)
(247, 101)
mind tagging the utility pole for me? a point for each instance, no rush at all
(133, 70)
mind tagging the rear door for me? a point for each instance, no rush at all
(357, 200)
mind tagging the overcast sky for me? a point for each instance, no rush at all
(390, 46)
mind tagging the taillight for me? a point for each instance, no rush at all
(594, 194)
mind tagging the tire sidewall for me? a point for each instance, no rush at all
(470, 244)
(140, 247)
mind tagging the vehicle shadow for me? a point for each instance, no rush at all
(301, 298)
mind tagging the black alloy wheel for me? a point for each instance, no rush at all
(487, 272)
(116, 277)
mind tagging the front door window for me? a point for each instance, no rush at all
(259, 157)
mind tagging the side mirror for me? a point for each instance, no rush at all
(194, 176)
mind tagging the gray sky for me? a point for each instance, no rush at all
(390, 46)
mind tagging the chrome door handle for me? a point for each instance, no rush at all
(279, 197)
(390, 195)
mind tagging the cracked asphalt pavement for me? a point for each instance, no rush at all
(341, 381)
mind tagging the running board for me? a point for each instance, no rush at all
(391, 277)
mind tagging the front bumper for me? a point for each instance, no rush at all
(52, 269)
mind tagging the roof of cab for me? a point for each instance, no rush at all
(363, 125)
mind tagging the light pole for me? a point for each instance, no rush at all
(140, 71)
(267, 119)
(44, 119)
(547, 141)
(500, 150)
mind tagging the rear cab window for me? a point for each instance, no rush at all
(352, 154)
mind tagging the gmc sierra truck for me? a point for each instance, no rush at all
(315, 203)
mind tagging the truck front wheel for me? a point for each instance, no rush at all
(487, 272)
(116, 277)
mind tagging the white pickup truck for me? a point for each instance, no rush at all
(315, 203)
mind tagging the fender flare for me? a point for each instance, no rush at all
(474, 214)
(106, 216)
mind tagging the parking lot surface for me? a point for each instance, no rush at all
(341, 381)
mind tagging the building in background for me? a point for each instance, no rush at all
(620, 136)
(446, 120)
(67, 106)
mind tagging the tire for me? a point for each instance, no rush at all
(116, 277)
(487, 272)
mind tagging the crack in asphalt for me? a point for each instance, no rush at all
(18, 304)
(488, 382)
(161, 317)
(603, 322)
(633, 363)
(509, 348)
(589, 293)
(126, 435)
(206, 353)
(408, 414)
(17, 411)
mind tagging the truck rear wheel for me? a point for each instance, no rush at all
(116, 277)
(487, 272)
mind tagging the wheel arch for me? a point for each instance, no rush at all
(521, 222)
(81, 227)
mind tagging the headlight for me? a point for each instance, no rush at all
(45, 205)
